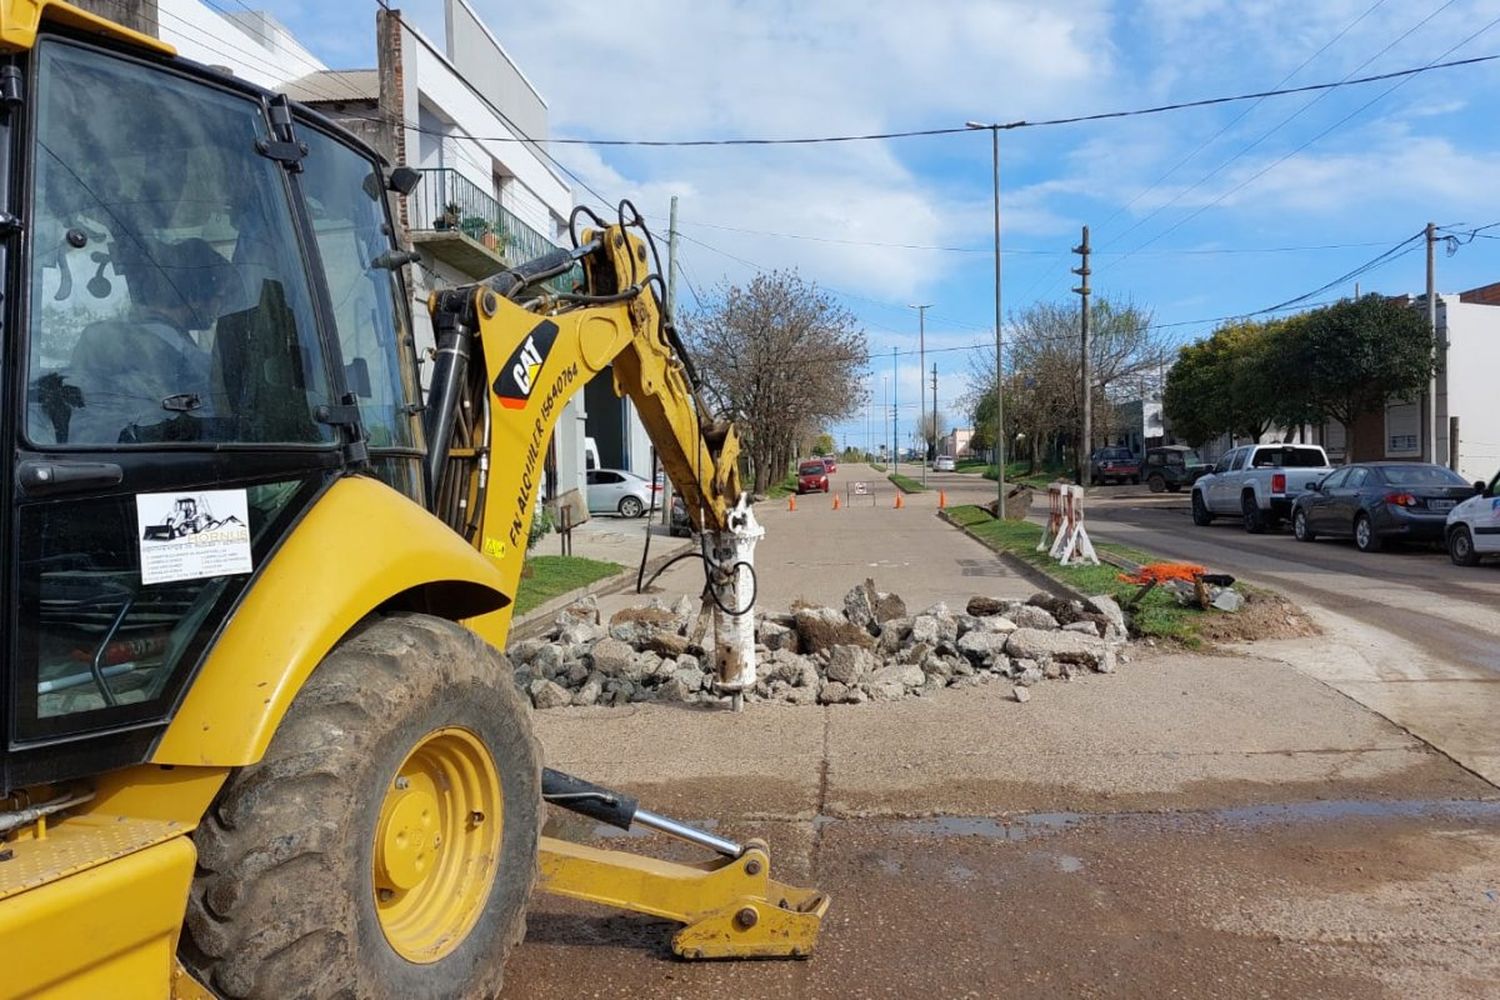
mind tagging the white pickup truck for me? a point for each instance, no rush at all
(1257, 483)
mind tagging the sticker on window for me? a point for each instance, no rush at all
(190, 535)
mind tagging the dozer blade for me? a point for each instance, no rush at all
(730, 906)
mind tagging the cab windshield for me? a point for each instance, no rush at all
(169, 298)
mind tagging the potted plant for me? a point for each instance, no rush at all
(474, 227)
(449, 218)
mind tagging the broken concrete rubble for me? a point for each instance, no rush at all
(870, 650)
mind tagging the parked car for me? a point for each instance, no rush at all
(1372, 502)
(830, 464)
(1473, 527)
(679, 526)
(1114, 465)
(1258, 483)
(621, 492)
(944, 463)
(812, 477)
(1171, 467)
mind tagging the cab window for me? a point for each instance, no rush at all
(345, 195)
(168, 298)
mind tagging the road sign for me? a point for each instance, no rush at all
(860, 489)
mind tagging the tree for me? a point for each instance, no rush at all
(823, 444)
(930, 432)
(1043, 382)
(784, 358)
(1351, 358)
(1228, 383)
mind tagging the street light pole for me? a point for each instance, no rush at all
(921, 367)
(994, 128)
(885, 405)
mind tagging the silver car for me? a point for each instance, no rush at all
(617, 491)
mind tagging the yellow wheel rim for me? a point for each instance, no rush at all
(437, 844)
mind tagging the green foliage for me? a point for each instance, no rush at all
(540, 525)
(823, 444)
(1350, 358)
(1338, 362)
(1227, 384)
(906, 484)
(1158, 615)
(781, 489)
(547, 577)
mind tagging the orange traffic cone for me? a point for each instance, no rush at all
(942, 500)
(900, 503)
(836, 503)
(791, 501)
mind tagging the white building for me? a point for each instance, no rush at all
(452, 111)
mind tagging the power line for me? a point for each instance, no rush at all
(1022, 124)
(1282, 159)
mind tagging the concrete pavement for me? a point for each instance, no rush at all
(816, 553)
(1204, 826)
(1406, 633)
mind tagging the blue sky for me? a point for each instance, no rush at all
(1192, 212)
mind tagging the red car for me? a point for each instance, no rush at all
(829, 465)
(812, 477)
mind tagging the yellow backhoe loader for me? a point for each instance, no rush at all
(280, 755)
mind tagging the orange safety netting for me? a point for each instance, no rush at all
(1154, 573)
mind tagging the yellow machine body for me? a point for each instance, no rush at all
(92, 900)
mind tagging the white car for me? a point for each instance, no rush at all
(620, 491)
(944, 463)
(1474, 526)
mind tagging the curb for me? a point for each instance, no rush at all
(538, 620)
(903, 489)
(1022, 568)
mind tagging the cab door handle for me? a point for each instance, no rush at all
(47, 478)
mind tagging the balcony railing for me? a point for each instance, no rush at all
(446, 201)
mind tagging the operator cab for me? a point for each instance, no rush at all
(206, 327)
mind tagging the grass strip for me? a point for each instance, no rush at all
(1158, 615)
(781, 489)
(553, 576)
(906, 484)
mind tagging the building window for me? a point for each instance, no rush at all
(1403, 430)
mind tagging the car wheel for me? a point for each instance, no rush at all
(1461, 547)
(1157, 484)
(1201, 515)
(1365, 538)
(631, 507)
(1255, 521)
(1300, 528)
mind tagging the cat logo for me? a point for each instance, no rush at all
(519, 373)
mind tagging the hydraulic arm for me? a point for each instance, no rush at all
(510, 352)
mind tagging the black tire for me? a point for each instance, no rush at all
(1365, 538)
(283, 904)
(1156, 484)
(1201, 515)
(1255, 521)
(631, 507)
(1461, 547)
(1300, 528)
(1174, 488)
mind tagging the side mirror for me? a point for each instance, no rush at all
(1482, 486)
(403, 180)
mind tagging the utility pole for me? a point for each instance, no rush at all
(934, 410)
(885, 405)
(921, 364)
(1085, 473)
(995, 128)
(671, 307)
(1430, 428)
(895, 405)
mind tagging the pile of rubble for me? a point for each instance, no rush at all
(872, 649)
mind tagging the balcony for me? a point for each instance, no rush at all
(462, 225)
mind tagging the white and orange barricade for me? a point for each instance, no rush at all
(1066, 539)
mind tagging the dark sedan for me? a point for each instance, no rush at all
(1373, 502)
